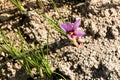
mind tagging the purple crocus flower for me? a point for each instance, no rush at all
(72, 29)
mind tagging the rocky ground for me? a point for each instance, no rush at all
(97, 59)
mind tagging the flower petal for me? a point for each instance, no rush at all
(79, 33)
(76, 24)
(69, 37)
(64, 27)
(69, 26)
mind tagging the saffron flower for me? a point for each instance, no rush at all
(72, 30)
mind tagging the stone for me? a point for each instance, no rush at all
(4, 17)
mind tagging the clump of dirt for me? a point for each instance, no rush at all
(98, 58)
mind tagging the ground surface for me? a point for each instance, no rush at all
(97, 59)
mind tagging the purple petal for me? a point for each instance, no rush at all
(64, 27)
(79, 33)
(69, 26)
(69, 36)
(76, 24)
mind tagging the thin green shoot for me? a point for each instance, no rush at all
(54, 24)
(18, 4)
(26, 55)
(60, 75)
(55, 7)
(37, 59)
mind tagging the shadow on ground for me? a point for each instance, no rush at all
(101, 71)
